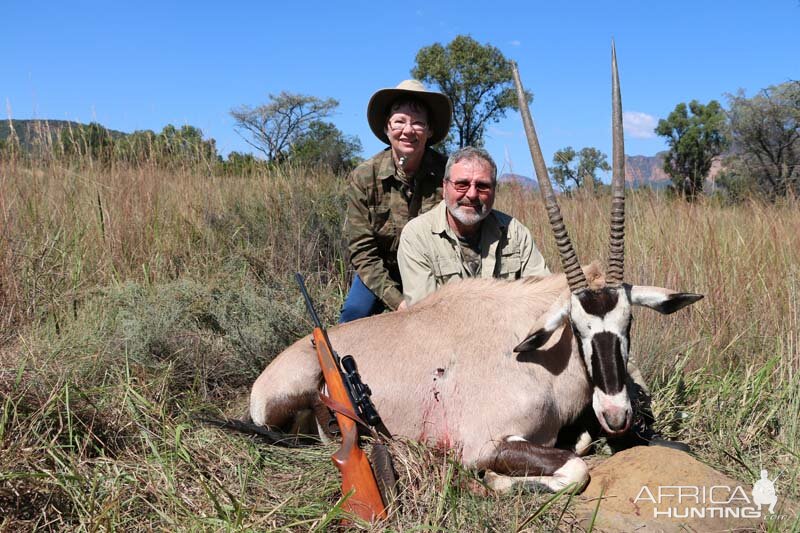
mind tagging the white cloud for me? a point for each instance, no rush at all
(515, 42)
(639, 125)
(497, 132)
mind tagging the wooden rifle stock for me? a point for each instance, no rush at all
(358, 479)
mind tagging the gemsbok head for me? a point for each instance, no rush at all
(600, 318)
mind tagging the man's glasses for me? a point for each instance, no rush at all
(462, 187)
(399, 125)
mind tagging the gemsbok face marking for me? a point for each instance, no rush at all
(440, 372)
(601, 322)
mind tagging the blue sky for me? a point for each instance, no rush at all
(144, 64)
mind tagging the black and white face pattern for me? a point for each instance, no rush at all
(601, 321)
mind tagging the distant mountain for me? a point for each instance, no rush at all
(648, 171)
(640, 171)
(517, 179)
(29, 131)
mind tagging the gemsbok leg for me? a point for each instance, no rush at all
(515, 461)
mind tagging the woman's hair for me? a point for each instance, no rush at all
(413, 103)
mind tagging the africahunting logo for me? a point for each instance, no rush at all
(717, 501)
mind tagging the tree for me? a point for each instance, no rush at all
(274, 126)
(91, 141)
(694, 141)
(170, 148)
(478, 80)
(239, 164)
(10, 148)
(138, 147)
(581, 172)
(733, 185)
(765, 134)
(323, 143)
(184, 146)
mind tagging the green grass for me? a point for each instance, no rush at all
(132, 300)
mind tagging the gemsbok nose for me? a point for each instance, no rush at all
(617, 419)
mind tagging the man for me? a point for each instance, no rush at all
(463, 236)
(391, 188)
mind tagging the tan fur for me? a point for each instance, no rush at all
(444, 371)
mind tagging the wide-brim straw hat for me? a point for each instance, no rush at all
(441, 109)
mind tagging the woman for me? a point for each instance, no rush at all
(391, 188)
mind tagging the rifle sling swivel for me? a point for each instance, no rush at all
(345, 410)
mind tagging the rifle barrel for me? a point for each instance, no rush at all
(310, 306)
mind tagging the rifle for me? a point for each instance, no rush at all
(349, 399)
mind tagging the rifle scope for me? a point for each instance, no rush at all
(361, 392)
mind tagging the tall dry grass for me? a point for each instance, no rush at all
(68, 230)
(132, 299)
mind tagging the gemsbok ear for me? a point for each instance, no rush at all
(545, 326)
(533, 341)
(664, 301)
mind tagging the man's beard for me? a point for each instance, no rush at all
(463, 212)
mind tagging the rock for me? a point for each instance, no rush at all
(660, 489)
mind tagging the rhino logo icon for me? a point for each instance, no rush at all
(764, 492)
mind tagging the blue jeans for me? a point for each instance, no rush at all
(360, 302)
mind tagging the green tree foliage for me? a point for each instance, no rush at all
(323, 143)
(10, 148)
(273, 127)
(478, 80)
(185, 146)
(578, 168)
(139, 147)
(733, 185)
(239, 164)
(695, 135)
(172, 147)
(765, 134)
(92, 141)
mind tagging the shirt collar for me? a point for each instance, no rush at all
(386, 168)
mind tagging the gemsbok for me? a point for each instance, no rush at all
(494, 369)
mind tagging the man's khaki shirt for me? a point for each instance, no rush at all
(429, 254)
(379, 204)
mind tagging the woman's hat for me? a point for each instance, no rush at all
(438, 104)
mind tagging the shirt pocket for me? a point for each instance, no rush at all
(381, 218)
(446, 269)
(510, 265)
